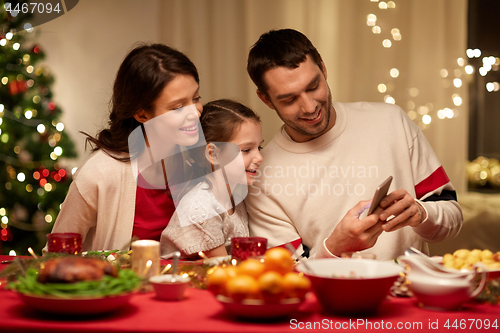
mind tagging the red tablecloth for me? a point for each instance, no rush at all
(201, 312)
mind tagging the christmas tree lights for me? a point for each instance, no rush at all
(33, 182)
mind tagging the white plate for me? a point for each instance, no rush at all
(217, 260)
(76, 305)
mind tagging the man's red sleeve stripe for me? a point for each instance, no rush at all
(437, 179)
(294, 243)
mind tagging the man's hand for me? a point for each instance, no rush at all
(406, 211)
(353, 234)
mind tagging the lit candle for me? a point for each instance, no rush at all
(146, 257)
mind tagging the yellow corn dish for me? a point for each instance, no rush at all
(465, 259)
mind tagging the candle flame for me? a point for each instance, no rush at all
(148, 265)
(203, 255)
(30, 250)
(165, 269)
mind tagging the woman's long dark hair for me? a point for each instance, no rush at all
(143, 74)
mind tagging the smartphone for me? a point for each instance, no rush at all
(380, 193)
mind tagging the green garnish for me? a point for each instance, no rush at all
(126, 281)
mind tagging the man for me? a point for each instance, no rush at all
(329, 158)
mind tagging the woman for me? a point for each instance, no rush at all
(111, 199)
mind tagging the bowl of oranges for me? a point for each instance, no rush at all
(260, 288)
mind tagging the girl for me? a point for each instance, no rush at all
(213, 211)
(109, 201)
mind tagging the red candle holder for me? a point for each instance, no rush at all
(66, 242)
(247, 247)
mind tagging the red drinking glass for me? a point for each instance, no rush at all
(66, 242)
(246, 247)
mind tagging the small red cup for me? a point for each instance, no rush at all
(247, 247)
(66, 242)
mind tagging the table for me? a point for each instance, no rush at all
(201, 312)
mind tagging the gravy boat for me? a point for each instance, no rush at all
(439, 290)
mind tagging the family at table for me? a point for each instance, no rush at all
(193, 176)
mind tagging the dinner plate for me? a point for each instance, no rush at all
(214, 261)
(492, 273)
(258, 309)
(76, 305)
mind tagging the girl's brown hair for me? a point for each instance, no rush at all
(222, 118)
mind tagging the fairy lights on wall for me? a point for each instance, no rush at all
(423, 115)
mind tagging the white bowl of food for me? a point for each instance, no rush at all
(169, 287)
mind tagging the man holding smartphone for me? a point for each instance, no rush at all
(330, 157)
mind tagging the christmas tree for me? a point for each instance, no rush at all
(33, 182)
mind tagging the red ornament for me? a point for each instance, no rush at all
(17, 87)
(6, 235)
(52, 106)
(45, 172)
(36, 49)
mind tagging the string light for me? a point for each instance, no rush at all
(58, 151)
(426, 119)
(394, 72)
(21, 177)
(425, 112)
(457, 100)
(396, 35)
(490, 86)
(371, 20)
(389, 99)
(28, 27)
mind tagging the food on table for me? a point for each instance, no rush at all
(271, 285)
(252, 267)
(74, 269)
(279, 259)
(296, 285)
(270, 280)
(352, 275)
(70, 277)
(465, 259)
(242, 287)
